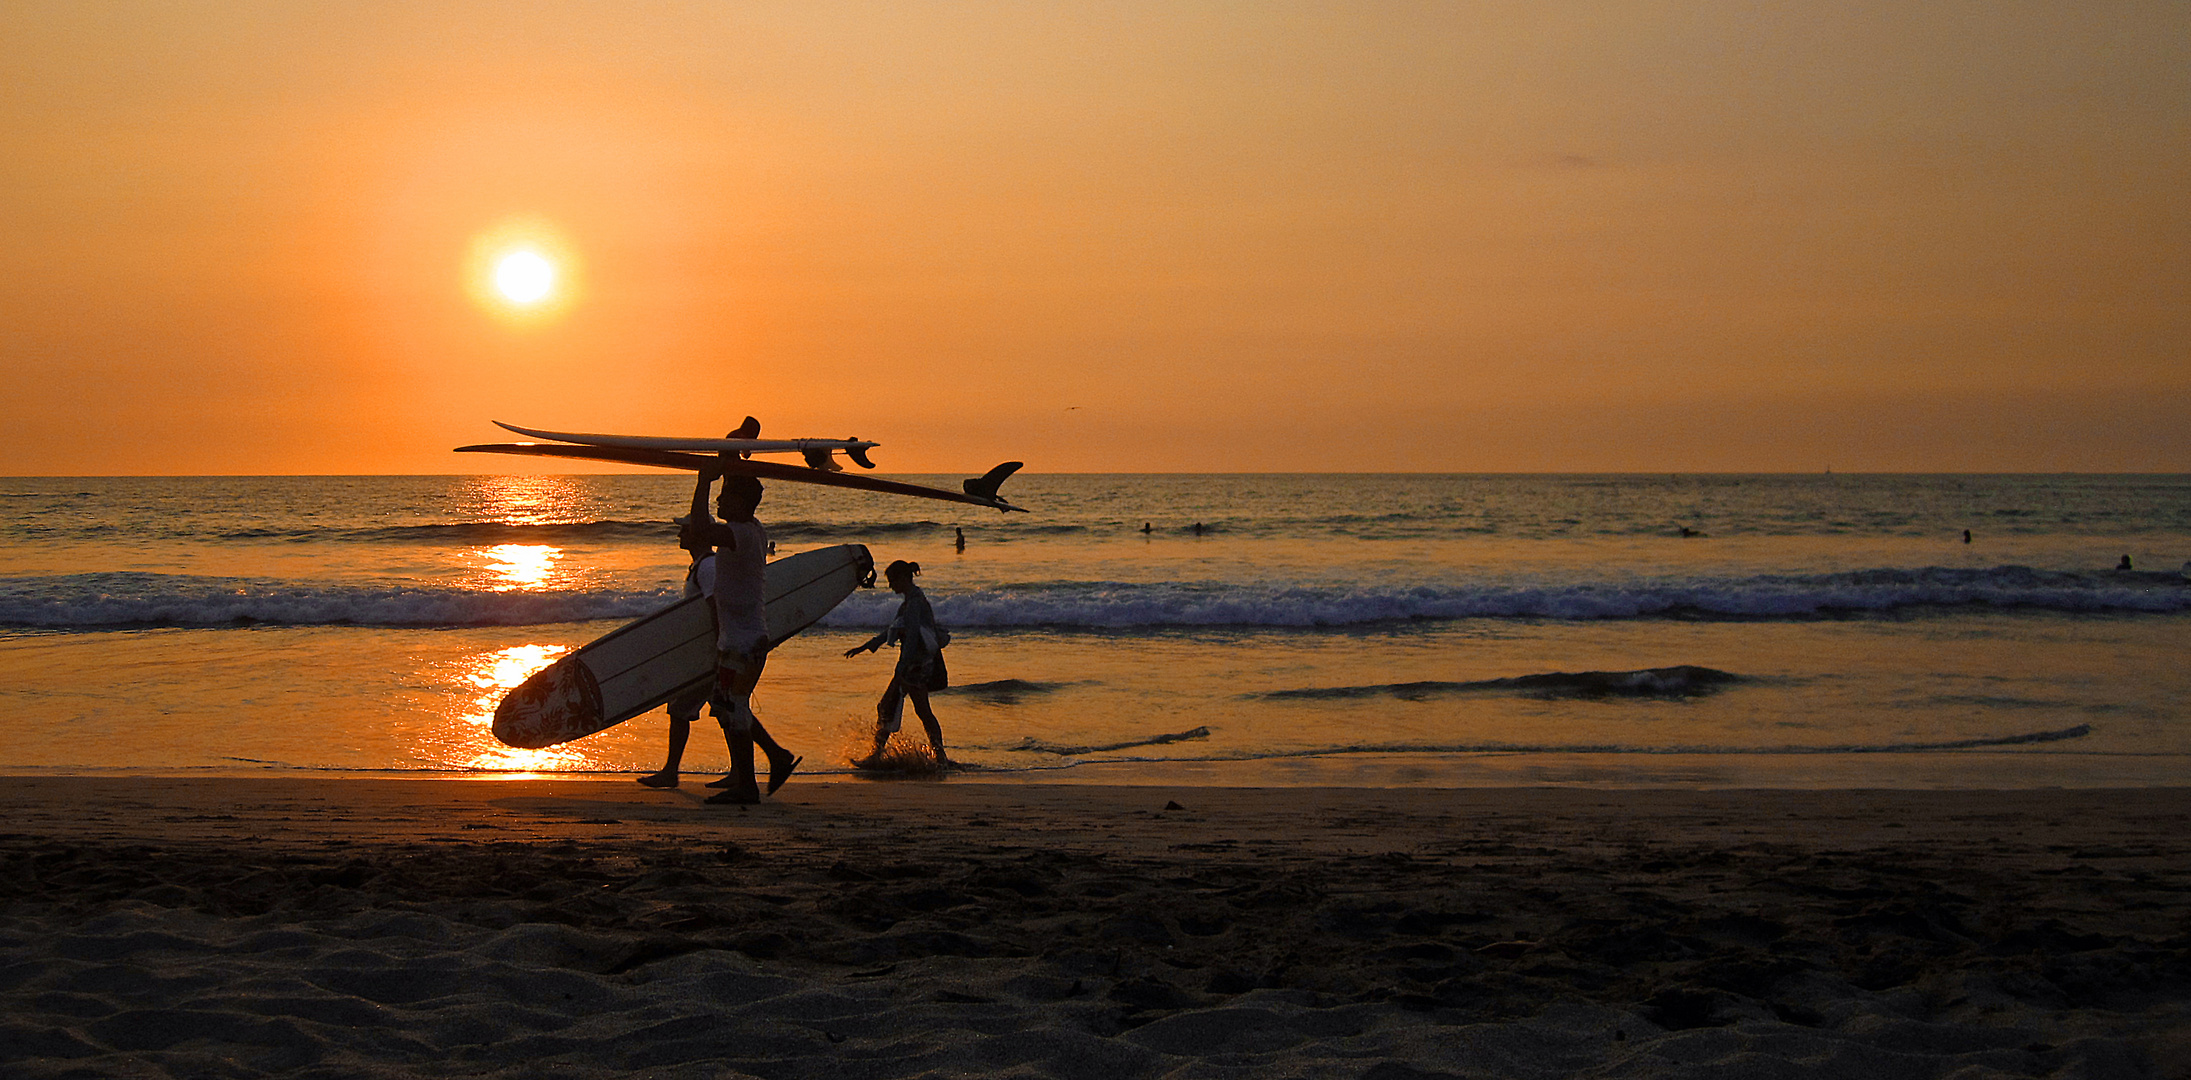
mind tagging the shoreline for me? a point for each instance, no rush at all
(246, 927)
(1933, 770)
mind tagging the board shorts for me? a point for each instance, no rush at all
(687, 706)
(735, 676)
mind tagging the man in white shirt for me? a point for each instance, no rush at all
(741, 637)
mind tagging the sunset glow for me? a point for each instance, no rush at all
(495, 674)
(524, 277)
(1634, 236)
(520, 272)
(521, 566)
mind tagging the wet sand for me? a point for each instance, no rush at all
(555, 928)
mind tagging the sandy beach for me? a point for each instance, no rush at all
(559, 928)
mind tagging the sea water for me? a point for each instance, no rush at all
(1383, 630)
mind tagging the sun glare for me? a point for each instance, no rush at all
(524, 270)
(471, 744)
(525, 277)
(521, 566)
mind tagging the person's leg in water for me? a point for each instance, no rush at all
(887, 714)
(919, 698)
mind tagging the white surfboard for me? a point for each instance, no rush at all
(643, 665)
(714, 446)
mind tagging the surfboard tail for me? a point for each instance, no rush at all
(985, 486)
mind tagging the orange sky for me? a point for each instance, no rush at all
(1634, 235)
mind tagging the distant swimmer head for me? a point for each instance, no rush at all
(740, 496)
(900, 574)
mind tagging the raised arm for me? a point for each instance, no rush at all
(692, 534)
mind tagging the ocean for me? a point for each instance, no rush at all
(1378, 630)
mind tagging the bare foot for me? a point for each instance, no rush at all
(663, 779)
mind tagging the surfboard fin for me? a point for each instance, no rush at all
(821, 459)
(985, 486)
(859, 454)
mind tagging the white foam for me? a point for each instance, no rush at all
(95, 601)
(1120, 605)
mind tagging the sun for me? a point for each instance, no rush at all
(524, 271)
(524, 277)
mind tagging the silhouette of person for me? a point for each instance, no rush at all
(1198, 528)
(960, 543)
(1145, 528)
(1966, 536)
(920, 664)
(699, 581)
(2123, 565)
(741, 641)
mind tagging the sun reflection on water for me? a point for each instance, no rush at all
(521, 566)
(493, 675)
(525, 500)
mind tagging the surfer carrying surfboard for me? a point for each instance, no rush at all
(920, 664)
(741, 642)
(685, 708)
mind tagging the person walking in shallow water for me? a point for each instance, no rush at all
(920, 664)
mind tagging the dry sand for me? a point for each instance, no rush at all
(243, 927)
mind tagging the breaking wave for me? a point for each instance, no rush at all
(89, 601)
(1770, 596)
(122, 600)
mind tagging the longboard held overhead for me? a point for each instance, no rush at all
(735, 466)
(856, 448)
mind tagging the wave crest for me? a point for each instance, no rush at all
(1120, 605)
(122, 600)
(141, 599)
